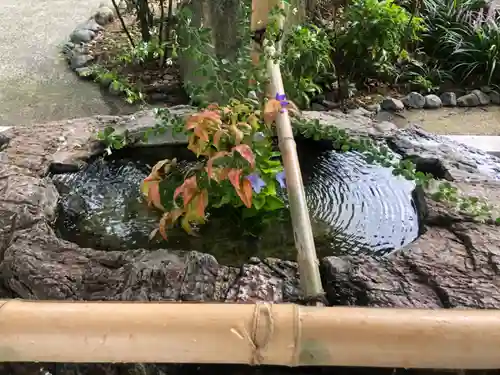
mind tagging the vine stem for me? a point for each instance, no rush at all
(119, 15)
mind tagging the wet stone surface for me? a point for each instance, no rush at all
(453, 264)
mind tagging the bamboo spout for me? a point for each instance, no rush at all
(279, 334)
(307, 260)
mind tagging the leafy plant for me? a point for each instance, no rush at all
(463, 38)
(306, 63)
(237, 166)
(119, 84)
(372, 37)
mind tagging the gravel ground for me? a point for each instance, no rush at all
(35, 83)
(469, 121)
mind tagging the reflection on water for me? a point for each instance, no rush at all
(354, 207)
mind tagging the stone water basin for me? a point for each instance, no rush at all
(355, 207)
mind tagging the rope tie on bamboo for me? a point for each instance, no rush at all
(262, 315)
(263, 323)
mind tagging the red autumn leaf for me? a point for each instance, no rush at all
(213, 107)
(246, 193)
(234, 177)
(154, 195)
(211, 161)
(246, 152)
(187, 189)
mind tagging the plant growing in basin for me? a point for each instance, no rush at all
(237, 166)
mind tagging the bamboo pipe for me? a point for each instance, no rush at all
(284, 334)
(307, 259)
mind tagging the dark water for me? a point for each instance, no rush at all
(355, 207)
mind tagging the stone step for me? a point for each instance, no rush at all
(487, 143)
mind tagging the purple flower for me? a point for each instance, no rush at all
(256, 182)
(280, 177)
(283, 101)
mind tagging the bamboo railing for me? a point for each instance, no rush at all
(280, 334)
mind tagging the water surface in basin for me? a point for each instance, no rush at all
(354, 207)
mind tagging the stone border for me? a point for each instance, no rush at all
(414, 100)
(76, 50)
(455, 262)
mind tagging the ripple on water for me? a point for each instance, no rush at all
(364, 207)
(355, 207)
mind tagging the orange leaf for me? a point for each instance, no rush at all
(271, 109)
(246, 152)
(217, 138)
(234, 177)
(154, 195)
(187, 189)
(211, 161)
(201, 132)
(246, 193)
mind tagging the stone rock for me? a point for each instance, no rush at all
(432, 101)
(486, 89)
(373, 108)
(79, 61)
(354, 122)
(82, 36)
(391, 104)
(494, 97)
(91, 25)
(318, 107)
(484, 99)
(67, 49)
(104, 15)
(444, 158)
(449, 99)
(414, 100)
(468, 100)
(85, 72)
(454, 264)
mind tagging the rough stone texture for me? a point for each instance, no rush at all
(455, 263)
(473, 99)
(449, 99)
(391, 104)
(468, 100)
(414, 100)
(494, 97)
(432, 101)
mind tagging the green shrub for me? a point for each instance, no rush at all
(306, 63)
(462, 39)
(373, 37)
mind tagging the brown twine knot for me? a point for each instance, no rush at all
(262, 320)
